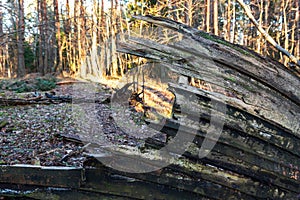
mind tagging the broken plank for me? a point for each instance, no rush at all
(113, 182)
(69, 177)
(171, 180)
(238, 115)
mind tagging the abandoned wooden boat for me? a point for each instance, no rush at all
(247, 118)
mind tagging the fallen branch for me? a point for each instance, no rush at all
(69, 82)
(22, 102)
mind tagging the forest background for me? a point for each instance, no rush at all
(79, 37)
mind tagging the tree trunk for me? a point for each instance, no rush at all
(43, 37)
(285, 28)
(260, 38)
(58, 60)
(113, 47)
(232, 32)
(190, 11)
(20, 40)
(216, 21)
(207, 19)
(2, 64)
(228, 28)
(266, 23)
(79, 31)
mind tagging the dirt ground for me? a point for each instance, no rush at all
(56, 134)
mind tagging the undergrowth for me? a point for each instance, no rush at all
(28, 85)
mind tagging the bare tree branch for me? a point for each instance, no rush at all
(268, 37)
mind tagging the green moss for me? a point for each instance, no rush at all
(224, 42)
(232, 79)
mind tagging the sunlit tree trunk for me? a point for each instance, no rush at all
(190, 11)
(285, 27)
(228, 20)
(76, 50)
(101, 35)
(216, 15)
(83, 29)
(102, 21)
(207, 18)
(121, 37)
(260, 22)
(93, 60)
(113, 50)
(79, 18)
(266, 23)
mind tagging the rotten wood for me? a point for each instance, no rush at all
(68, 177)
(47, 101)
(260, 137)
(22, 102)
(256, 80)
(240, 117)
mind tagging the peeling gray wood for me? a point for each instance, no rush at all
(261, 136)
(258, 81)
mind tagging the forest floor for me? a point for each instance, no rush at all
(49, 134)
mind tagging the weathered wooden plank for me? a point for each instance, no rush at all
(232, 152)
(183, 179)
(174, 179)
(269, 72)
(269, 182)
(257, 150)
(69, 177)
(272, 105)
(239, 118)
(262, 190)
(139, 186)
(267, 85)
(96, 182)
(260, 139)
(11, 191)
